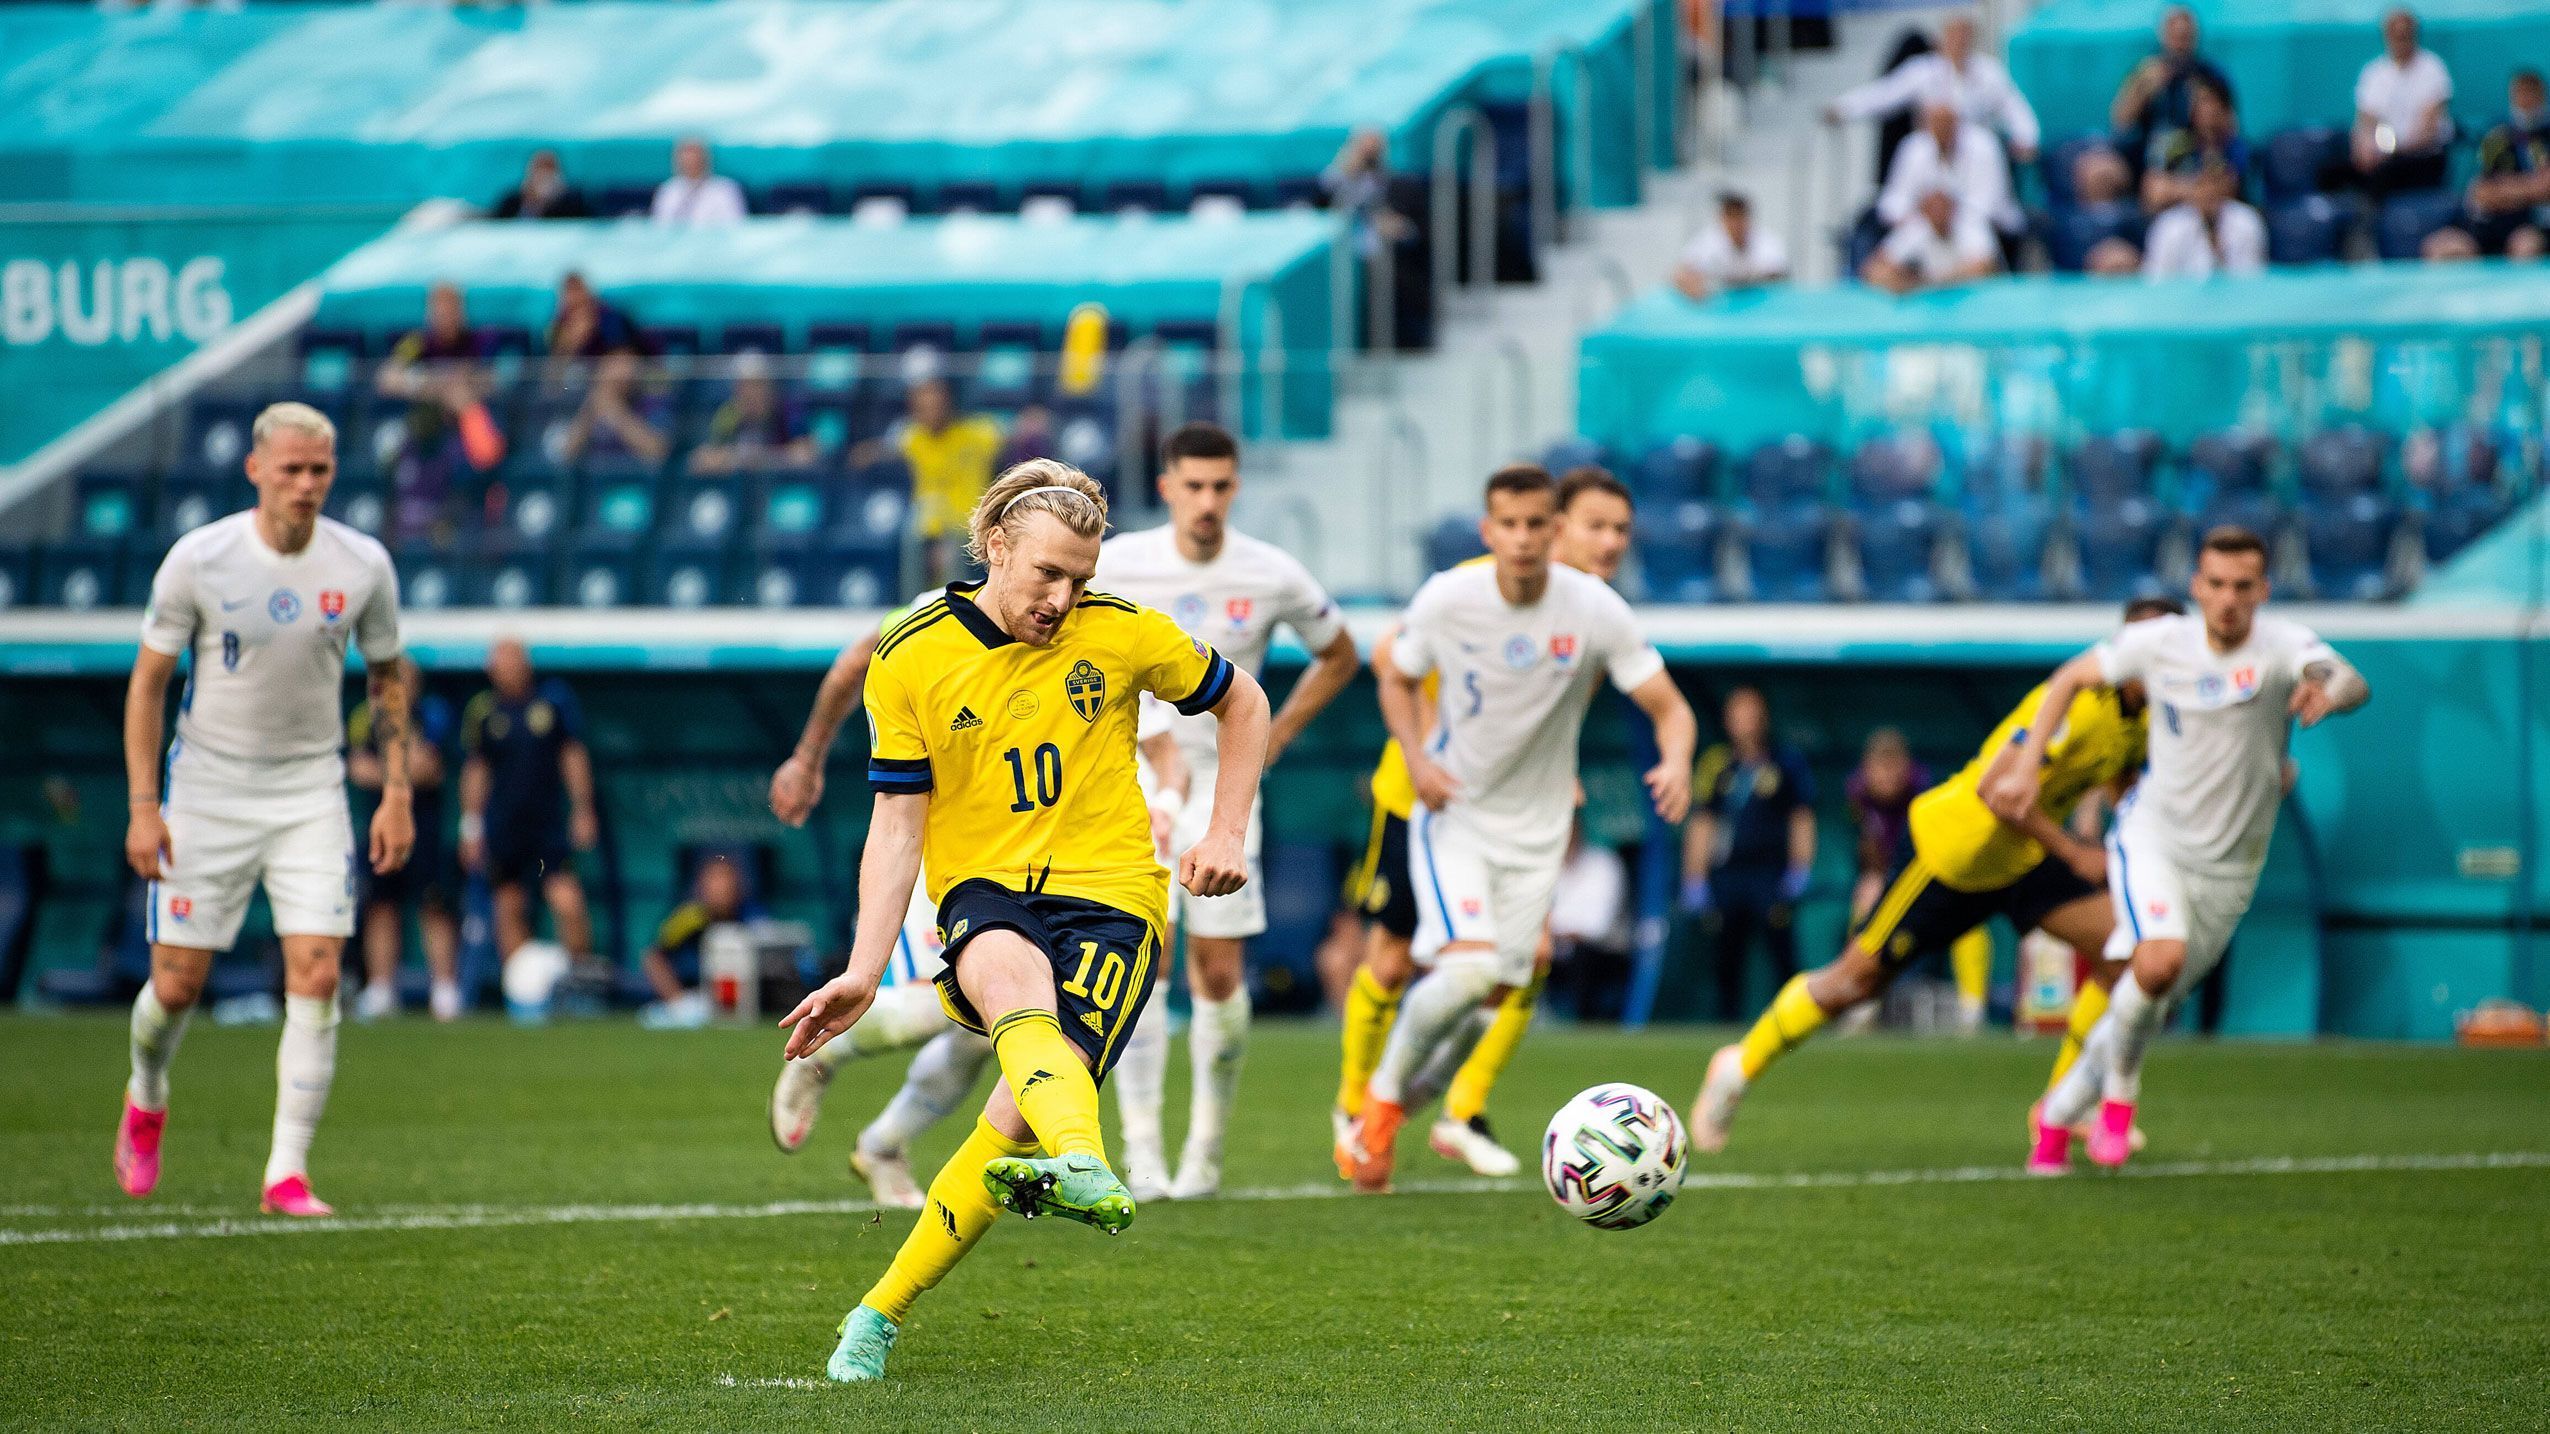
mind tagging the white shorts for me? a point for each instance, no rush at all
(1241, 914)
(1467, 888)
(301, 848)
(2157, 901)
(919, 955)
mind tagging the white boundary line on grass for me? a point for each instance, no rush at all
(493, 1217)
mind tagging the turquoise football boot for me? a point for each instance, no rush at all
(1076, 1187)
(866, 1339)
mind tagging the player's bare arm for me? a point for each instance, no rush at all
(798, 784)
(1329, 672)
(575, 764)
(1218, 865)
(2011, 791)
(1172, 776)
(888, 866)
(1677, 741)
(2086, 858)
(1403, 711)
(394, 820)
(474, 780)
(146, 844)
(2329, 687)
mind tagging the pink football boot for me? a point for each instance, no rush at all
(2112, 1144)
(291, 1196)
(137, 1149)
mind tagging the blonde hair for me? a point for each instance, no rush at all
(1039, 485)
(295, 417)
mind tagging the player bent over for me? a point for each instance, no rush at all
(1519, 644)
(2226, 687)
(266, 602)
(1966, 865)
(1002, 754)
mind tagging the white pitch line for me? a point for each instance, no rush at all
(728, 1381)
(492, 1217)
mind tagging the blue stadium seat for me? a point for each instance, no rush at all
(360, 501)
(1897, 543)
(1299, 191)
(528, 513)
(1085, 436)
(790, 510)
(2077, 229)
(1236, 188)
(759, 338)
(1010, 373)
(615, 512)
(2304, 160)
(797, 196)
(430, 579)
(2109, 468)
(2405, 220)
(2229, 482)
(187, 501)
(619, 201)
(871, 510)
(17, 576)
(2005, 546)
(1683, 470)
(2459, 517)
(110, 508)
(816, 579)
(84, 574)
(1148, 195)
(2308, 230)
(2348, 542)
(1784, 471)
(601, 575)
(506, 582)
(217, 435)
(1788, 549)
(921, 351)
(873, 195)
(2337, 463)
(1066, 190)
(703, 516)
(1576, 453)
(681, 577)
(1677, 540)
(970, 196)
(1452, 541)
(1893, 467)
(332, 359)
(2120, 550)
(673, 341)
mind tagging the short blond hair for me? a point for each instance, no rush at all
(1072, 497)
(292, 417)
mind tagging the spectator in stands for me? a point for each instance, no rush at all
(756, 428)
(1976, 88)
(544, 192)
(1031, 435)
(2210, 144)
(2210, 233)
(672, 959)
(2448, 245)
(440, 372)
(1357, 183)
(2507, 207)
(424, 883)
(1731, 254)
(1941, 245)
(526, 799)
(1960, 158)
(1750, 846)
(583, 327)
(951, 457)
(696, 197)
(2113, 258)
(2160, 95)
(2100, 176)
(618, 417)
(2402, 119)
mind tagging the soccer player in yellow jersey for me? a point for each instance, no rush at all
(1966, 865)
(1002, 721)
(1595, 514)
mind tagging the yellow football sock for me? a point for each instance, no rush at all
(1053, 1089)
(2087, 1007)
(1792, 1018)
(1468, 1097)
(960, 1210)
(1970, 961)
(1371, 1008)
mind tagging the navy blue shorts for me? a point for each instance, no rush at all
(1103, 959)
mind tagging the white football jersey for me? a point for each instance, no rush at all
(269, 633)
(1235, 602)
(2219, 729)
(1514, 688)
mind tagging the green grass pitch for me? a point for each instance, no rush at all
(489, 1272)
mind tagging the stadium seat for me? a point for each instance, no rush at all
(2075, 230)
(816, 579)
(970, 196)
(110, 507)
(2120, 549)
(2308, 230)
(1788, 551)
(1894, 467)
(1065, 191)
(527, 513)
(2348, 545)
(17, 576)
(1897, 546)
(1149, 196)
(761, 338)
(217, 434)
(2457, 518)
(688, 578)
(871, 510)
(602, 575)
(790, 511)
(511, 582)
(1010, 372)
(2110, 468)
(361, 501)
(797, 196)
(672, 341)
(621, 201)
(2303, 160)
(615, 512)
(1452, 541)
(1086, 437)
(1785, 471)
(83, 574)
(2405, 220)
(1683, 470)
(703, 517)
(2230, 481)
(2336, 463)
(1677, 541)
(1577, 453)
(331, 359)
(1236, 188)
(187, 501)
(430, 579)
(1300, 191)
(2055, 164)
(1188, 383)
(922, 351)
(2005, 547)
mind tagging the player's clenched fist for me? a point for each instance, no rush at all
(828, 1010)
(1215, 866)
(146, 843)
(794, 790)
(393, 834)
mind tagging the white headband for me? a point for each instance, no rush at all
(1032, 492)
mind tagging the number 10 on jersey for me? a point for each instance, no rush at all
(1047, 762)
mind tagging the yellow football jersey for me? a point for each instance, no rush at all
(1028, 752)
(1393, 790)
(1969, 848)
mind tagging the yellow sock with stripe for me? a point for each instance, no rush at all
(2087, 1007)
(1371, 1009)
(1053, 1089)
(1970, 961)
(958, 1212)
(1468, 1097)
(1792, 1018)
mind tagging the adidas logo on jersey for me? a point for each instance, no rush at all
(965, 721)
(1090, 1019)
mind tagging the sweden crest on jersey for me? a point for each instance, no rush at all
(1086, 686)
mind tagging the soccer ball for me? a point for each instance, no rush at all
(1613, 1156)
(531, 978)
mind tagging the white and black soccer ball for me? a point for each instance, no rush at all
(1613, 1156)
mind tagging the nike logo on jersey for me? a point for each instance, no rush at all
(965, 721)
(228, 606)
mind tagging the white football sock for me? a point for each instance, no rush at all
(305, 1065)
(2136, 1014)
(156, 1032)
(938, 1081)
(1439, 999)
(1435, 1076)
(1141, 1079)
(2069, 1103)
(1217, 1041)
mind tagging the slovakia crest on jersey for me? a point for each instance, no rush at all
(2244, 682)
(181, 907)
(1562, 648)
(331, 604)
(1238, 609)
